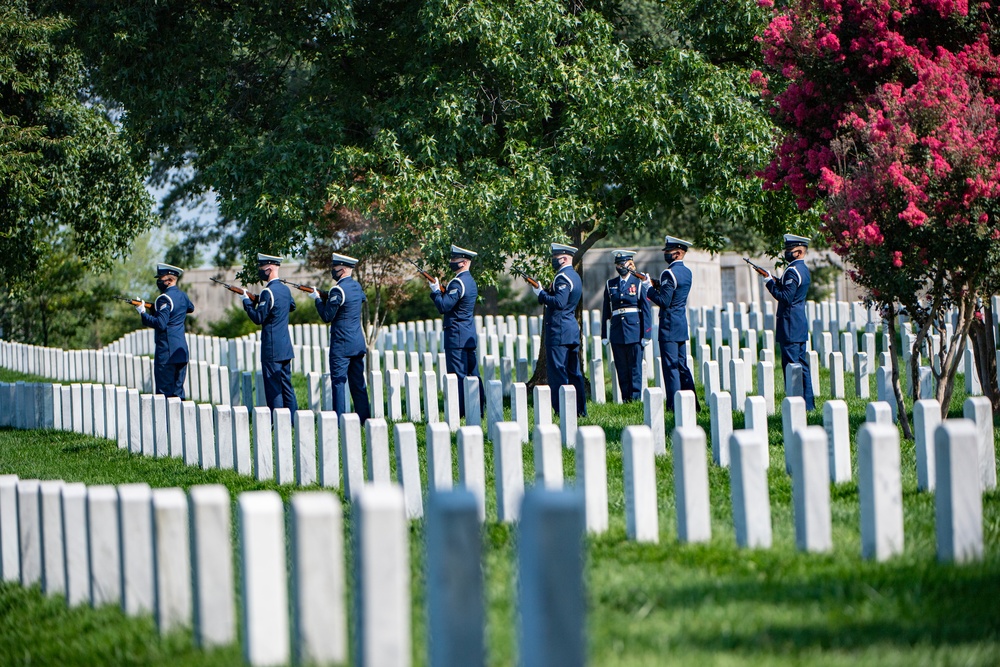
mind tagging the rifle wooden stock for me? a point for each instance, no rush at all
(236, 290)
(644, 277)
(762, 272)
(426, 276)
(528, 279)
(134, 302)
(323, 294)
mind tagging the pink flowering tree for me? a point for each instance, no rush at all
(891, 128)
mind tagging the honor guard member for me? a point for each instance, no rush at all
(671, 296)
(562, 331)
(791, 328)
(170, 310)
(457, 303)
(342, 310)
(626, 321)
(271, 313)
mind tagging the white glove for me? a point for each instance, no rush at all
(141, 308)
(435, 286)
(648, 282)
(315, 293)
(537, 290)
(246, 295)
(605, 342)
(769, 277)
(645, 342)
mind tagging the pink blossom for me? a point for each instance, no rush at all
(913, 215)
(897, 258)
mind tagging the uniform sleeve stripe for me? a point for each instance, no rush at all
(460, 284)
(343, 295)
(798, 276)
(167, 297)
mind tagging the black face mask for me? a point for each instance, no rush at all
(263, 274)
(556, 263)
(454, 266)
(333, 274)
(789, 256)
(668, 257)
(622, 270)
(162, 286)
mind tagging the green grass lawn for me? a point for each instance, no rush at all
(662, 604)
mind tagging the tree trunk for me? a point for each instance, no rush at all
(984, 348)
(924, 331)
(904, 419)
(956, 348)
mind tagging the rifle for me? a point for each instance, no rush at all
(306, 288)
(134, 302)
(645, 276)
(236, 290)
(428, 277)
(528, 279)
(763, 272)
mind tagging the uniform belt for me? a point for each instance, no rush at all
(622, 311)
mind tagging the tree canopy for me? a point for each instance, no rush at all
(500, 125)
(64, 164)
(892, 129)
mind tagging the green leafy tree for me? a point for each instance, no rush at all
(496, 124)
(71, 304)
(63, 163)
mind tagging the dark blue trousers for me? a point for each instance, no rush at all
(563, 367)
(464, 363)
(795, 353)
(628, 368)
(169, 379)
(350, 372)
(676, 374)
(278, 390)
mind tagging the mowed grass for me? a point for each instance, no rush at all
(664, 604)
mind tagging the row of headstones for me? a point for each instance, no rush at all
(927, 412)
(203, 382)
(169, 554)
(78, 365)
(815, 457)
(318, 450)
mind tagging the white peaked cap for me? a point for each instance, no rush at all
(342, 260)
(562, 249)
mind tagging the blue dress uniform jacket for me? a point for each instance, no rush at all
(457, 303)
(790, 292)
(276, 353)
(559, 321)
(631, 326)
(791, 329)
(562, 337)
(671, 297)
(627, 313)
(170, 310)
(271, 313)
(342, 309)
